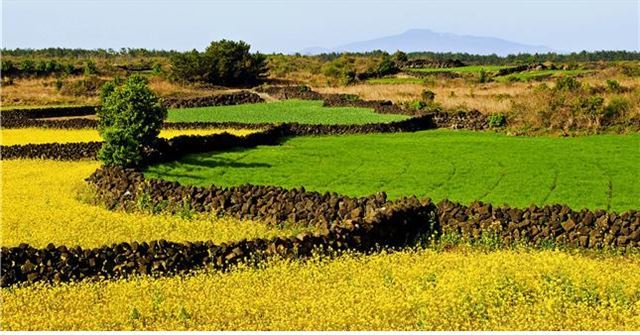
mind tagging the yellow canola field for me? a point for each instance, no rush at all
(40, 205)
(424, 289)
(50, 135)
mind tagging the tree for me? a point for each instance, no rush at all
(386, 66)
(129, 121)
(224, 62)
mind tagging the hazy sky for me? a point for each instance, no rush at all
(289, 26)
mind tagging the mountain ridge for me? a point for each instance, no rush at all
(416, 40)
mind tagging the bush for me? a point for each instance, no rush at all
(129, 121)
(496, 120)
(386, 67)
(592, 108)
(90, 68)
(617, 107)
(88, 86)
(342, 70)
(567, 84)
(399, 57)
(630, 70)
(614, 86)
(428, 96)
(484, 78)
(226, 63)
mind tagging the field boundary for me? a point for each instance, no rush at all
(356, 223)
(185, 144)
(473, 120)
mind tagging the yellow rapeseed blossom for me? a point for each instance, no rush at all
(465, 289)
(46, 135)
(40, 205)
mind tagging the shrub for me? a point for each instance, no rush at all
(90, 68)
(592, 108)
(399, 57)
(342, 70)
(567, 84)
(225, 62)
(630, 70)
(428, 96)
(386, 67)
(129, 120)
(614, 86)
(88, 86)
(156, 68)
(484, 78)
(496, 120)
(617, 107)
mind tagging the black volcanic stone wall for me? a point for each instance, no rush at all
(472, 120)
(58, 151)
(358, 223)
(22, 118)
(179, 146)
(290, 92)
(394, 224)
(224, 99)
(557, 224)
(552, 223)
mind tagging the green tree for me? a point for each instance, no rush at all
(386, 66)
(224, 62)
(129, 121)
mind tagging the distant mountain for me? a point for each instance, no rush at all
(427, 40)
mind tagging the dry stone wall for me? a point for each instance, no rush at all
(57, 151)
(551, 224)
(344, 223)
(176, 147)
(356, 223)
(32, 117)
(226, 99)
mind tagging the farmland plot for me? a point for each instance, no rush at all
(597, 172)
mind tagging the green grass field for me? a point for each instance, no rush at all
(462, 69)
(583, 172)
(302, 111)
(539, 75)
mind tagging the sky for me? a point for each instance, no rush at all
(290, 26)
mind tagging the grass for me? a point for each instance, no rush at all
(584, 172)
(302, 111)
(395, 81)
(42, 203)
(51, 135)
(462, 69)
(419, 289)
(539, 75)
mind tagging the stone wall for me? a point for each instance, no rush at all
(32, 117)
(58, 151)
(290, 92)
(551, 224)
(393, 224)
(472, 120)
(339, 222)
(174, 148)
(224, 99)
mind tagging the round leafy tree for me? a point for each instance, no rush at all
(129, 121)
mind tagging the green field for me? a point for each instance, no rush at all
(539, 75)
(462, 69)
(302, 111)
(583, 172)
